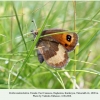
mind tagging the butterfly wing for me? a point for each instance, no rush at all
(67, 39)
(53, 53)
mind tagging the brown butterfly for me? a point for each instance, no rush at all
(54, 45)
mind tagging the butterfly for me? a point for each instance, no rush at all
(54, 45)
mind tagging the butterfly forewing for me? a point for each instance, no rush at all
(67, 39)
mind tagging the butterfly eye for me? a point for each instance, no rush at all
(68, 38)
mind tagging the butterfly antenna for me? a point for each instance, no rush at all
(34, 24)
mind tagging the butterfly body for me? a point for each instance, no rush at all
(54, 45)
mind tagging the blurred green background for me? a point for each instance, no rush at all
(16, 41)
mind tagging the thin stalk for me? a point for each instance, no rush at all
(74, 79)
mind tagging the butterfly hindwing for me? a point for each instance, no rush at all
(53, 53)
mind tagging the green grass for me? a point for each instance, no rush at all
(19, 66)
